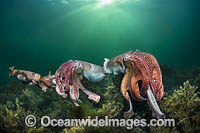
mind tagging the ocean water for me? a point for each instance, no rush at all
(39, 35)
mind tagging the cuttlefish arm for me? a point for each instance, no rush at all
(153, 104)
(47, 82)
(92, 96)
(58, 90)
(72, 96)
(75, 92)
(125, 86)
(135, 91)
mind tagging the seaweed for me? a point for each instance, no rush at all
(183, 106)
(180, 102)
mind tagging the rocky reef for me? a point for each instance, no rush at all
(180, 102)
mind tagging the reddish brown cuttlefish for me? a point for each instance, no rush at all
(142, 78)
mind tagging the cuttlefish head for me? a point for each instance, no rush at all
(92, 72)
(114, 66)
(79, 68)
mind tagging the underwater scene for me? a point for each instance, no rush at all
(80, 66)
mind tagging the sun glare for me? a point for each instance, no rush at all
(105, 2)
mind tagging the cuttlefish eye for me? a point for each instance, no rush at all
(121, 66)
(79, 68)
(36, 77)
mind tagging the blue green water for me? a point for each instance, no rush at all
(39, 35)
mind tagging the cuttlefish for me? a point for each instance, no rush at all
(142, 78)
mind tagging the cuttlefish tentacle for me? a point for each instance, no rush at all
(63, 94)
(135, 86)
(138, 63)
(92, 96)
(156, 80)
(68, 78)
(63, 77)
(154, 105)
(72, 97)
(74, 90)
(59, 85)
(125, 86)
(76, 87)
(159, 93)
